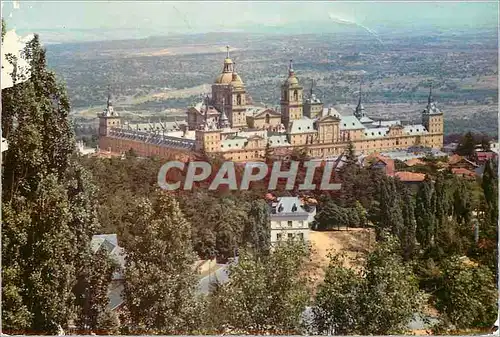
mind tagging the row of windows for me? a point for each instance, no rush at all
(290, 236)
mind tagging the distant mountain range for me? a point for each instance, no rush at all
(56, 36)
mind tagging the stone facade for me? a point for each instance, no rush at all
(226, 124)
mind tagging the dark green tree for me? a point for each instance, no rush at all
(267, 294)
(257, 231)
(391, 288)
(466, 295)
(485, 143)
(467, 145)
(160, 279)
(424, 214)
(330, 216)
(408, 237)
(94, 291)
(380, 299)
(386, 213)
(49, 202)
(337, 306)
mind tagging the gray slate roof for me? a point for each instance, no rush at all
(109, 242)
(303, 125)
(350, 123)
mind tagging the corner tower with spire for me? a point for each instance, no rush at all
(229, 93)
(433, 120)
(313, 107)
(109, 118)
(360, 109)
(291, 98)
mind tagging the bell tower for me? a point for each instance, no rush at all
(229, 94)
(291, 98)
(432, 119)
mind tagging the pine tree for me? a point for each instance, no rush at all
(160, 280)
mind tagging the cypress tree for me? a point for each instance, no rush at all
(424, 214)
(408, 233)
(48, 201)
(257, 231)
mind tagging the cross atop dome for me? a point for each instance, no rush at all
(290, 68)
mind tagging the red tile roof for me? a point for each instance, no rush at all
(414, 161)
(410, 176)
(389, 163)
(463, 172)
(485, 155)
(454, 159)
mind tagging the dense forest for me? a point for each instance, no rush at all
(436, 246)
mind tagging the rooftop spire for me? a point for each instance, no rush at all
(290, 67)
(109, 111)
(430, 99)
(227, 51)
(360, 109)
(223, 121)
(359, 101)
(109, 103)
(206, 108)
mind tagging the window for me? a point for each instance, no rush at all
(290, 236)
(268, 118)
(238, 99)
(290, 224)
(295, 95)
(278, 236)
(301, 236)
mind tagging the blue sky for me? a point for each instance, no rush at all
(189, 16)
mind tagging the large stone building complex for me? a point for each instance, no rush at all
(225, 123)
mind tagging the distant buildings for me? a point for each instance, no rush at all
(290, 218)
(83, 150)
(226, 124)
